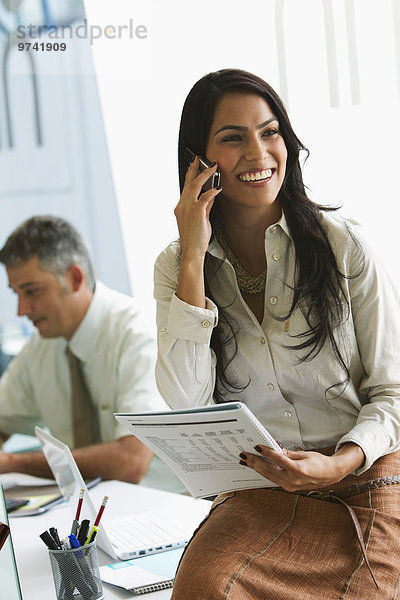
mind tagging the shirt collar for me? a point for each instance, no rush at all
(84, 341)
(282, 223)
(215, 249)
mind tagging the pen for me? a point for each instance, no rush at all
(95, 527)
(93, 482)
(74, 541)
(75, 522)
(92, 535)
(65, 544)
(83, 531)
(54, 535)
(48, 540)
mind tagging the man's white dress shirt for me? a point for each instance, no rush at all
(118, 355)
(292, 399)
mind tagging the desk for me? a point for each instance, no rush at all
(32, 556)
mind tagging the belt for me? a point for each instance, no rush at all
(352, 490)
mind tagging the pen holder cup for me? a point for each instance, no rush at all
(76, 573)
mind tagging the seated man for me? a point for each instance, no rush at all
(91, 357)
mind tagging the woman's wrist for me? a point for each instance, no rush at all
(191, 281)
(192, 259)
(348, 458)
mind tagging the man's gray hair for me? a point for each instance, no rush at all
(55, 242)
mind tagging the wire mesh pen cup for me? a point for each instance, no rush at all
(76, 573)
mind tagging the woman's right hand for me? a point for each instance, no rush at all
(193, 210)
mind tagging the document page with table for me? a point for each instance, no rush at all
(202, 445)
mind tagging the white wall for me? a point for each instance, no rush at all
(67, 174)
(336, 63)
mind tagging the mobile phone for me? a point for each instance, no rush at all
(215, 179)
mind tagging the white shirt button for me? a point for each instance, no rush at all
(274, 229)
(273, 300)
(271, 387)
(288, 414)
(262, 341)
(164, 330)
(205, 323)
(276, 256)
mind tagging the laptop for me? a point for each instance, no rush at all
(10, 586)
(130, 536)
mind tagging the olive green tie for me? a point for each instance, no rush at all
(83, 415)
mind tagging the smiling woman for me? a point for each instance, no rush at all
(246, 143)
(275, 301)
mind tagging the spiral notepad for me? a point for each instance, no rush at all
(146, 574)
(202, 445)
(153, 588)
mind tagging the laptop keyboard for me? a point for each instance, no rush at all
(142, 531)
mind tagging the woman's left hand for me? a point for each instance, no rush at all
(305, 470)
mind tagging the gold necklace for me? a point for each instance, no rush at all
(248, 283)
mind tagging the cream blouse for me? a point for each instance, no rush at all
(291, 399)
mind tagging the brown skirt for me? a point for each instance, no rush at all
(270, 545)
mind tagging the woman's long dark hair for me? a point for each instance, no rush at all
(318, 281)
